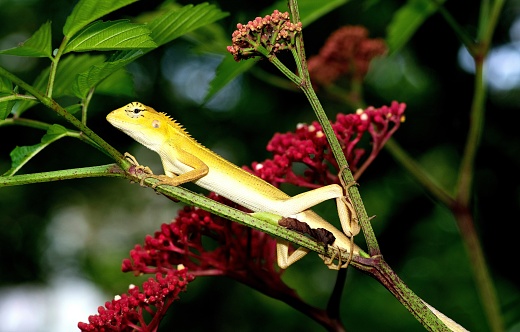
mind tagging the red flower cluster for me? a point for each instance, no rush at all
(234, 250)
(237, 251)
(308, 145)
(128, 311)
(347, 52)
(274, 32)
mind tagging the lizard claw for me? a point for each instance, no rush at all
(142, 172)
(354, 222)
(338, 252)
(343, 184)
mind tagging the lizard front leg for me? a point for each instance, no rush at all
(142, 172)
(349, 224)
(172, 177)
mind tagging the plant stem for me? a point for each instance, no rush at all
(54, 67)
(50, 103)
(25, 122)
(461, 34)
(464, 185)
(429, 317)
(85, 102)
(306, 86)
(15, 96)
(353, 192)
(466, 174)
(375, 266)
(188, 197)
(418, 173)
(488, 21)
(78, 173)
(485, 287)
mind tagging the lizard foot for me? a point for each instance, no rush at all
(353, 224)
(142, 172)
(338, 253)
(343, 184)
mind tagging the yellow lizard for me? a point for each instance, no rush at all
(186, 160)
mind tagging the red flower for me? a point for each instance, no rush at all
(128, 311)
(309, 146)
(347, 52)
(238, 251)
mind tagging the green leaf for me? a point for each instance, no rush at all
(6, 86)
(70, 67)
(95, 74)
(407, 20)
(6, 90)
(176, 23)
(5, 107)
(74, 108)
(120, 83)
(310, 10)
(22, 154)
(227, 70)
(107, 36)
(39, 45)
(210, 38)
(39, 83)
(164, 28)
(87, 11)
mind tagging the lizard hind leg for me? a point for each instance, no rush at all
(346, 210)
(282, 252)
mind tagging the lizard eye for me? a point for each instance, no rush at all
(135, 112)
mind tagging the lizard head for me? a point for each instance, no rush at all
(142, 123)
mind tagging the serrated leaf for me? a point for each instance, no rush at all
(176, 23)
(6, 89)
(97, 73)
(164, 28)
(39, 45)
(87, 11)
(5, 107)
(227, 70)
(22, 154)
(407, 20)
(111, 35)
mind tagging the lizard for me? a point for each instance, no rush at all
(184, 160)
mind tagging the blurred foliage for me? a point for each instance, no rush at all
(88, 226)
